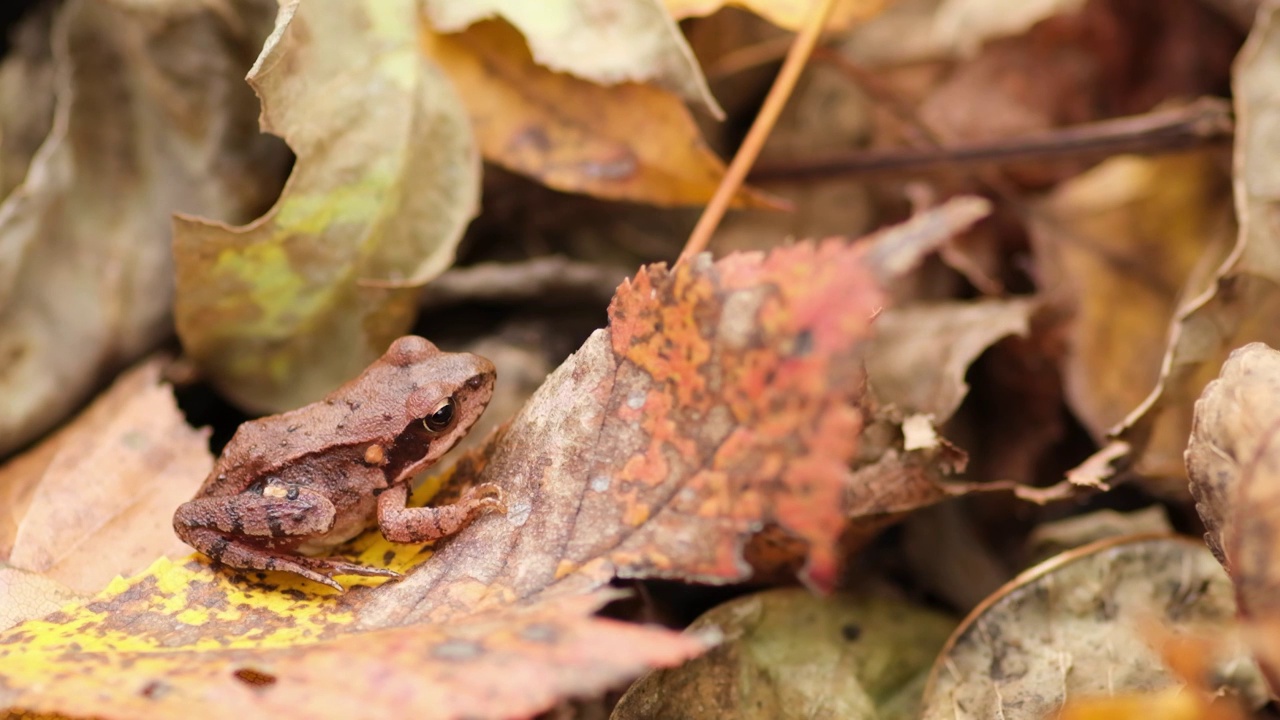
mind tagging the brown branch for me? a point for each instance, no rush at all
(1205, 121)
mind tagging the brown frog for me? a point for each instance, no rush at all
(294, 485)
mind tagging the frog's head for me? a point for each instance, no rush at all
(443, 396)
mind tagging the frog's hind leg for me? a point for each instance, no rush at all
(245, 556)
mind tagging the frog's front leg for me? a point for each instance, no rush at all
(237, 531)
(419, 524)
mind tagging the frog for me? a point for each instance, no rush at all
(288, 488)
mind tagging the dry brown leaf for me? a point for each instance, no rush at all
(1234, 463)
(633, 41)
(101, 491)
(1115, 247)
(922, 30)
(282, 310)
(1074, 626)
(26, 96)
(918, 360)
(626, 142)
(789, 14)
(1243, 299)
(151, 117)
(790, 655)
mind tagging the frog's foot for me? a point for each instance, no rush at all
(246, 556)
(420, 524)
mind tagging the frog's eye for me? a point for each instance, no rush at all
(440, 418)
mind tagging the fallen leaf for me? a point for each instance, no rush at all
(626, 142)
(103, 489)
(1242, 300)
(26, 96)
(1073, 627)
(151, 116)
(789, 14)
(788, 654)
(632, 41)
(1115, 247)
(26, 595)
(911, 31)
(282, 310)
(1056, 536)
(511, 663)
(722, 398)
(918, 360)
(1234, 465)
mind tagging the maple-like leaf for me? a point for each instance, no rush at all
(723, 398)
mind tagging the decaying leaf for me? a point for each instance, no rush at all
(1243, 299)
(722, 398)
(264, 654)
(1073, 627)
(627, 142)
(919, 357)
(1115, 247)
(25, 595)
(151, 116)
(630, 41)
(1234, 462)
(788, 654)
(282, 310)
(103, 489)
(26, 96)
(789, 14)
(920, 30)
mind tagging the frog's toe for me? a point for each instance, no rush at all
(342, 567)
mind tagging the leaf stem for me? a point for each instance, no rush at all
(746, 156)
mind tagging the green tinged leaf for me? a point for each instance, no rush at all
(282, 310)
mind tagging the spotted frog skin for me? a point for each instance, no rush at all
(290, 487)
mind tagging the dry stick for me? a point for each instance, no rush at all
(785, 83)
(1206, 120)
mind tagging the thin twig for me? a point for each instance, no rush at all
(1205, 121)
(547, 280)
(777, 98)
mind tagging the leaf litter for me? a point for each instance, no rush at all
(758, 418)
